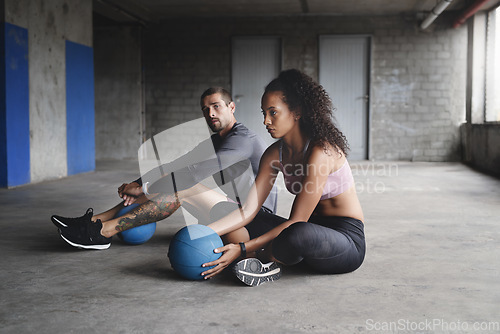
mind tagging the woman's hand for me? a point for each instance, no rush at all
(230, 253)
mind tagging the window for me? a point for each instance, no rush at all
(492, 94)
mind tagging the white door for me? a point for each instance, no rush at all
(344, 73)
(255, 62)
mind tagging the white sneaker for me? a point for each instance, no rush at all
(253, 272)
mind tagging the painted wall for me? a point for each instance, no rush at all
(80, 125)
(50, 25)
(14, 106)
(417, 78)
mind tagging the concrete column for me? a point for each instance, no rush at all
(47, 90)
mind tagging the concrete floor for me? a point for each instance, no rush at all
(432, 265)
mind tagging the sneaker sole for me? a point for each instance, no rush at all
(250, 272)
(57, 222)
(98, 247)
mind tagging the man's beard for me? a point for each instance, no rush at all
(217, 127)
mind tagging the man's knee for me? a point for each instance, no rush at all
(221, 210)
(237, 236)
(141, 199)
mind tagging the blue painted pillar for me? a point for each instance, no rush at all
(80, 123)
(14, 106)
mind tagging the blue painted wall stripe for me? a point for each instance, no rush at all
(14, 108)
(3, 111)
(80, 124)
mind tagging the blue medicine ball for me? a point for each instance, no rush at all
(136, 235)
(192, 246)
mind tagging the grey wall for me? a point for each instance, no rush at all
(49, 25)
(481, 144)
(118, 98)
(417, 78)
(418, 94)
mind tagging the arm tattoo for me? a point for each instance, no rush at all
(156, 209)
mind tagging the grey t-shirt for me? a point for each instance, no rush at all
(233, 162)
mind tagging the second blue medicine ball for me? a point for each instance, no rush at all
(136, 235)
(192, 246)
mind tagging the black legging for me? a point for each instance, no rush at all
(331, 245)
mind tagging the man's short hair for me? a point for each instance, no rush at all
(225, 95)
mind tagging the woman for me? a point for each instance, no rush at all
(325, 227)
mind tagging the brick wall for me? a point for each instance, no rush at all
(418, 94)
(117, 67)
(417, 78)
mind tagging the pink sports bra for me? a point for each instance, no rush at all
(337, 182)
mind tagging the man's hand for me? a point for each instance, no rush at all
(129, 192)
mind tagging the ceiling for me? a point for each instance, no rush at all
(149, 11)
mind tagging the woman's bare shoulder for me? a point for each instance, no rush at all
(328, 154)
(273, 149)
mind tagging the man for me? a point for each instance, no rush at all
(226, 156)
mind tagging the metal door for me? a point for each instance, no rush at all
(344, 73)
(255, 62)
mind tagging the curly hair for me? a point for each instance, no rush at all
(302, 92)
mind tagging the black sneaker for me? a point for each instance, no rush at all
(253, 272)
(63, 222)
(86, 235)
